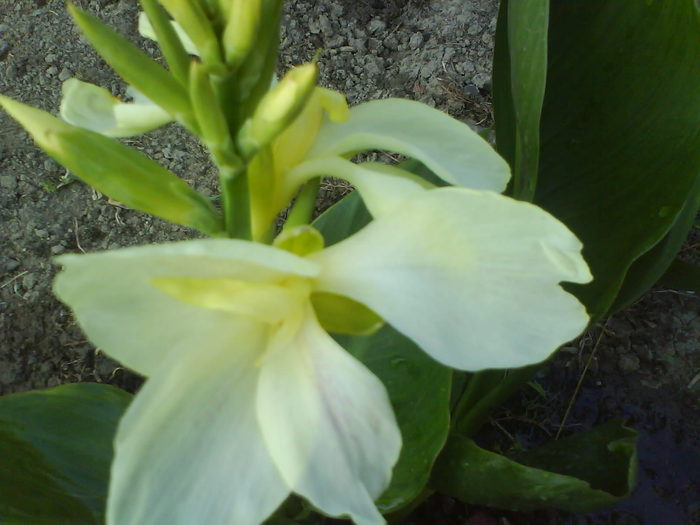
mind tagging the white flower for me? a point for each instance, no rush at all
(249, 399)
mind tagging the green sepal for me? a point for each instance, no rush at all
(341, 315)
(301, 240)
(116, 170)
(134, 66)
(581, 473)
(55, 453)
(193, 19)
(168, 41)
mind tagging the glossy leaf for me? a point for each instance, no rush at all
(521, 61)
(581, 473)
(658, 263)
(116, 170)
(620, 130)
(419, 389)
(55, 453)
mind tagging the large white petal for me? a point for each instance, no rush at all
(382, 186)
(92, 107)
(470, 276)
(327, 422)
(189, 449)
(122, 312)
(448, 147)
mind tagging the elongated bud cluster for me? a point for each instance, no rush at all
(278, 108)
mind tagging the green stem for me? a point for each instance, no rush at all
(236, 205)
(304, 205)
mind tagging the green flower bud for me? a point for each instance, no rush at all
(241, 30)
(278, 108)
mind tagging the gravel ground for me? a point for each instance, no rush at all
(438, 52)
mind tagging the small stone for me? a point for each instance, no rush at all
(53, 71)
(65, 74)
(58, 249)
(628, 363)
(415, 41)
(3, 28)
(8, 182)
(376, 25)
(50, 58)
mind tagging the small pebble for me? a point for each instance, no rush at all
(376, 25)
(628, 363)
(415, 41)
(53, 71)
(50, 58)
(65, 74)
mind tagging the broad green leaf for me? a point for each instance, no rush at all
(523, 66)
(658, 261)
(136, 68)
(116, 170)
(584, 472)
(55, 453)
(419, 389)
(620, 131)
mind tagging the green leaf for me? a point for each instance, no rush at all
(620, 131)
(521, 62)
(658, 262)
(55, 453)
(419, 389)
(136, 68)
(116, 170)
(581, 473)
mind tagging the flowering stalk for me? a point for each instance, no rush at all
(249, 398)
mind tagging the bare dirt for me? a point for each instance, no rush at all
(645, 367)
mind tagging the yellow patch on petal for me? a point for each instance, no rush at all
(265, 302)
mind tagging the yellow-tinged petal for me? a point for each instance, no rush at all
(471, 276)
(327, 422)
(92, 107)
(189, 449)
(264, 302)
(119, 309)
(446, 146)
